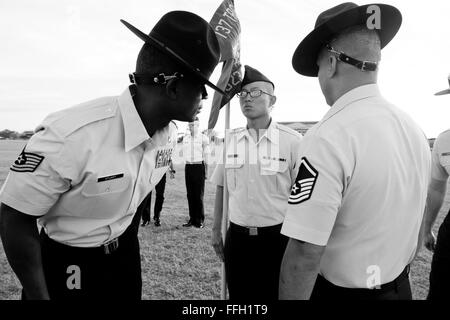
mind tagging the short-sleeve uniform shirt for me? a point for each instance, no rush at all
(361, 189)
(86, 170)
(195, 147)
(259, 175)
(440, 157)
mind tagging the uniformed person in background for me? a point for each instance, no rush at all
(195, 154)
(356, 207)
(440, 169)
(260, 166)
(87, 168)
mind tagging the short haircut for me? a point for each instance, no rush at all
(359, 42)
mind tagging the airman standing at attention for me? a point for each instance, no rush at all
(260, 166)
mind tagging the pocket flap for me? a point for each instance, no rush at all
(95, 188)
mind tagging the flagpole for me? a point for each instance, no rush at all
(223, 292)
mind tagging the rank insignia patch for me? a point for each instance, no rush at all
(27, 162)
(304, 184)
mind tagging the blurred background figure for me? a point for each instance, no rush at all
(159, 201)
(440, 265)
(195, 153)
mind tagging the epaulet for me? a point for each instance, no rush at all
(288, 130)
(67, 121)
(237, 130)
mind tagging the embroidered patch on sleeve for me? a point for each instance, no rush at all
(304, 184)
(27, 162)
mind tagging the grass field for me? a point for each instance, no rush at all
(179, 263)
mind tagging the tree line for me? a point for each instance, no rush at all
(14, 135)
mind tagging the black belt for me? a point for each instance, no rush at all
(390, 286)
(255, 231)
(107, 248)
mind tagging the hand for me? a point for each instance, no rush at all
(430, 240)
(217, 243)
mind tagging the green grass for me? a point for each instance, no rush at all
(177, 262)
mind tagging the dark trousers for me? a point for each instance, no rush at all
(88, 273)
(252, 262)
(195, 186)
(159, 201)
(399, 289)
(440, 265)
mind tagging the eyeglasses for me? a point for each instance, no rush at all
(141, 78)
(361, 65)
(254, 93)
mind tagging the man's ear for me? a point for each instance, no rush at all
(332, 66)
(172, 89)
(273, 99)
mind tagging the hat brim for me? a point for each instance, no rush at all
(171, 53)
(441, 93)
(304, 60)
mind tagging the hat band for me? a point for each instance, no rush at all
(361, 65)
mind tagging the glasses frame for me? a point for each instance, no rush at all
(240, 95)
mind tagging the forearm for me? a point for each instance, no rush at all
(299, 270)
(218, 209)
(435, 198)
(20, 239)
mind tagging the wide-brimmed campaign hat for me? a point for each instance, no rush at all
(188, 39)
(335, 20)
(446, 91)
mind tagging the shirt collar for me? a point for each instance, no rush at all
(134, 129)
(358, 93)
(271, 133)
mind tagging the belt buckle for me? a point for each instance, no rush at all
(253, 231)
(111, 246)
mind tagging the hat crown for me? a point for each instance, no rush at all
(333, 12)
(191, 37)
(253, 75)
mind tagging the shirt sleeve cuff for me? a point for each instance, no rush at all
(294, 231)
(22, 206)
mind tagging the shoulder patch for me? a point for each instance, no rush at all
(304, 183)
(27, 162)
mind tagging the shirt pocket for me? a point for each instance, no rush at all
(97, 200)
(276, 178)
(232, 171)
(95, 188)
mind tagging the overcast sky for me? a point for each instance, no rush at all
(58, 53)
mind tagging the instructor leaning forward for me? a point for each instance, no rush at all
(87, 168)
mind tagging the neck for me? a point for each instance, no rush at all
(150, 108)
(255, 125)
(348, 86)
(259, 123)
